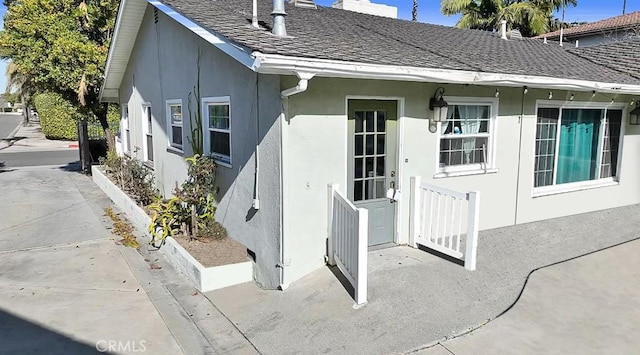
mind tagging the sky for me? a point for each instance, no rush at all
(429, 11)
(586, 11)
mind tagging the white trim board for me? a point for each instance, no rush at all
(279, 64)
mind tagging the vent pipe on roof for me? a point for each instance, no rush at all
(278, 14)
(254, 18)
(503, 29)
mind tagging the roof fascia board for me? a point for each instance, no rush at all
(114, 43)
(238, 53)
(284, 65)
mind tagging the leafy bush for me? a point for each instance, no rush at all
(132, 177)
(192, 210)
(58, 116)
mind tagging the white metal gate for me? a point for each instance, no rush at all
(348, 240)
(440, 217)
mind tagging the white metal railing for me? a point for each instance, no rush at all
(440, 217)
(348, 239)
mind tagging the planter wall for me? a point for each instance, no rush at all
(203, 278)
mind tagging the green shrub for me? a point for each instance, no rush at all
(58, 116)
(132, 177)
(192, 210)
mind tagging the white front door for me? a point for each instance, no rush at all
(372, 163)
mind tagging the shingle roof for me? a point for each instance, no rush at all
(334, 34)
(623, 56)
(613, 23)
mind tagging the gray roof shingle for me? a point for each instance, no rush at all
(327, 33)
(623, 56)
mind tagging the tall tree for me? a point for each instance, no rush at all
(531, 17)
(62, 46)
(20, 85)
(414, 11)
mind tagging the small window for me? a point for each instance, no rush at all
(217, 127)
(466, 138)
(147, 127)
(126, 134)
(174, 123)
(575, 144)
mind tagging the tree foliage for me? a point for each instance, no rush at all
(61, 46)
(531, 17)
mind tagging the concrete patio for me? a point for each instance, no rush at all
(417, 299)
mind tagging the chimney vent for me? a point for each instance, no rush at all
(279, 28)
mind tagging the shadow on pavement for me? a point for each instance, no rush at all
(71, 166)
(20, 336)
(3, 169)
(8, 142)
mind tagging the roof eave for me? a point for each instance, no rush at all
(285, 65)
(128, 23)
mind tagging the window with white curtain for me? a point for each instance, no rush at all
(465, 139)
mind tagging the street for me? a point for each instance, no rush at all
(8, 122)
(29, 147)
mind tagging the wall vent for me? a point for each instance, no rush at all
(310, 4)
(155, 15)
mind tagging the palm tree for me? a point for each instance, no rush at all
(23, 86)
(531, 17)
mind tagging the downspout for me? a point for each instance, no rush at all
(303, 84)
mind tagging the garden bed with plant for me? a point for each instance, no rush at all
(182, 224)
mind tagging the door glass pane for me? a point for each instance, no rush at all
(369, 190)
(370, 142)
(380, 145)
(369, 125)
(358, 145)
(358, 168)
(381, 121)
(380, 188)
(359, 121)
(357, 190)
(369, 167)
(380, 166)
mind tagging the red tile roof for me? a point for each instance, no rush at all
(618, 22)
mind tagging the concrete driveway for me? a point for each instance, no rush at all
(588, 305)
(417, 299)
(65, 286)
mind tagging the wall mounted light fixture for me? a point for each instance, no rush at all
(634, 115)
(440, 108)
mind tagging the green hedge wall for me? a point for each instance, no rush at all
(57, 116)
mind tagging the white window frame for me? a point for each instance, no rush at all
(220, 159)
(125, 130)
(170, 124)
(471, 169)
(145, 132)
(580, 185)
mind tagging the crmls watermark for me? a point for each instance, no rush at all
(116, 346)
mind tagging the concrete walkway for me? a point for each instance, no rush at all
(588, 305)
(31, 138)
(417, 299)
(66, 287)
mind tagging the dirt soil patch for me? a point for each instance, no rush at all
(214, 252)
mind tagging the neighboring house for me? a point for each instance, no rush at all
(343, 97)
(605, 31)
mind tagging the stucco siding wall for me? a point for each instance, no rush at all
(164, 67)
(316, 155)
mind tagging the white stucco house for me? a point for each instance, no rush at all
(329, 96)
